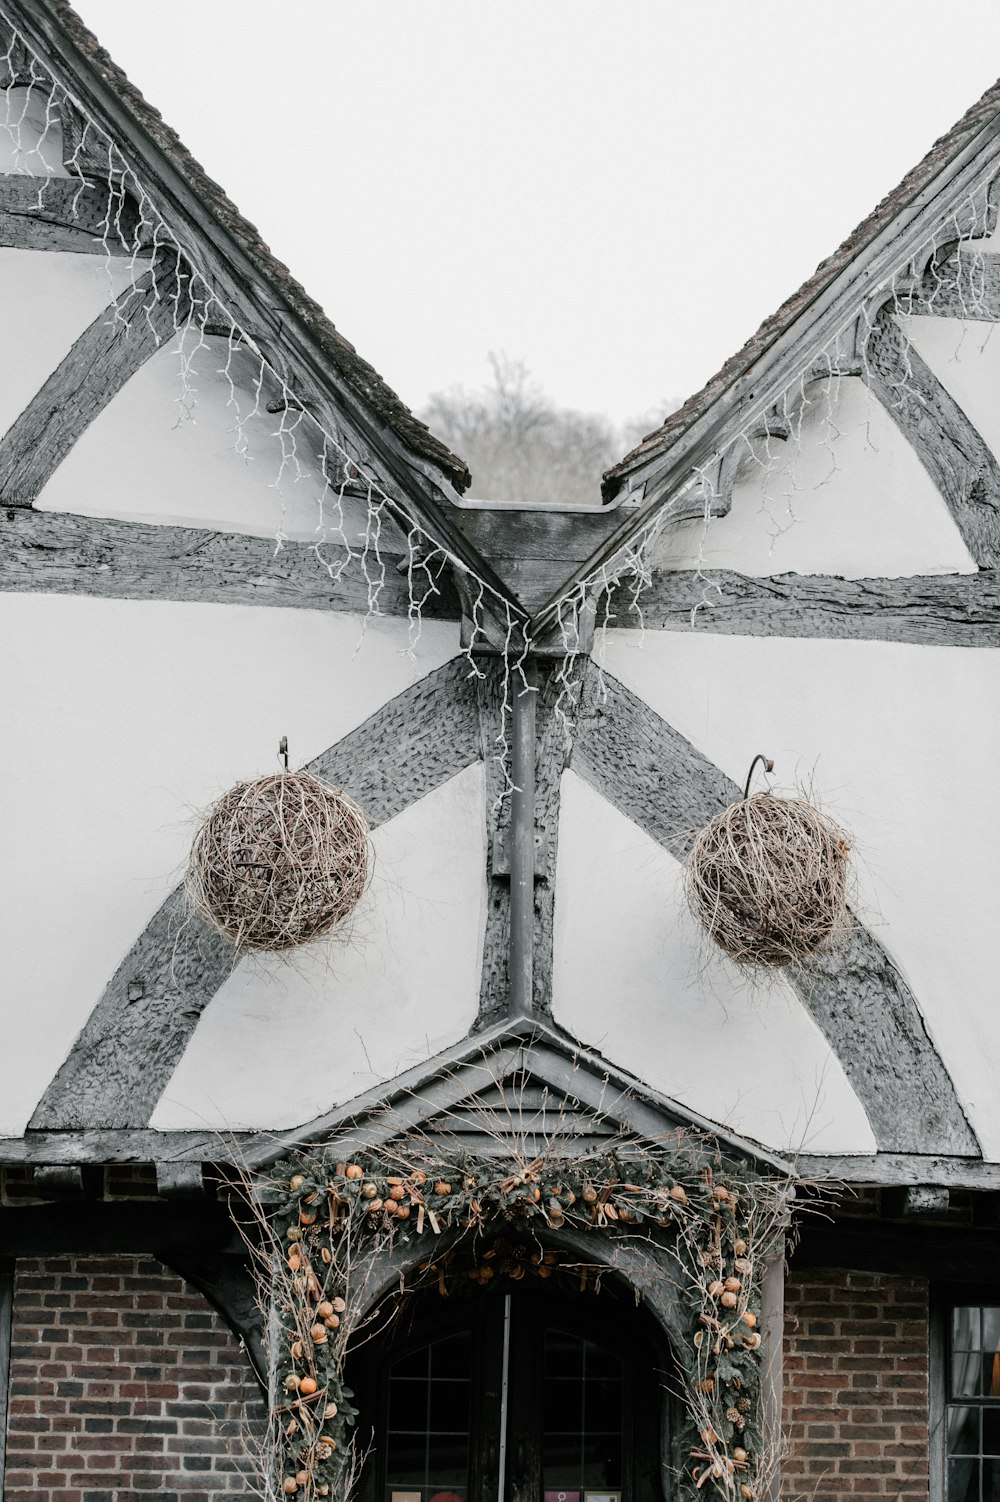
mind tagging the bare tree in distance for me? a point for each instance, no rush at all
(521, 447)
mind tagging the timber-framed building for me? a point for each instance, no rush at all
(207, 499)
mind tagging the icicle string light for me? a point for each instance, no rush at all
(133, 233)
(54, 140)
(948, 265)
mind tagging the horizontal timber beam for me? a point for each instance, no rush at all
(901, 1170)
(126, 1145)
(860, 1001)
(944, 610)
(49, 552)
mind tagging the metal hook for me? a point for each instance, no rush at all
(768, 767)
(283, 749)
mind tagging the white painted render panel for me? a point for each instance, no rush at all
(121, 721)
(845, 495)
(633, 979)
(47, 299)
(286, 1039)
(900, 743)
(965, 357)
(185, 450)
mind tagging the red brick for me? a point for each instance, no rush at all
(856, 1387)
(81, 1414)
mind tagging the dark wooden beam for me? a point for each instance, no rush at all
(901, 1169)
(44, 552)
(949, 610)
(654, 776)
(67, 213)
(946, 1254)
(133, 1039)
(954, 453)
(117, 344)
(165, 1229)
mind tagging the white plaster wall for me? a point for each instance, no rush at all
(285, 1040)
(965, 357)
(47, 299)
(121, 721)
(146, 457)
(845, 495)
(31, 134)
(633, 979)
(900, 743)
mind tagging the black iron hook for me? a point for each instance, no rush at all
(283, 750)
(768, 767)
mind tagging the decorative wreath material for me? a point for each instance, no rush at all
(715, 1225)
(768, 880)
(279, 861)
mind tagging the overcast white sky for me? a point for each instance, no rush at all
(616, 191)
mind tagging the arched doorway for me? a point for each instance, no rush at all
(521, 1390)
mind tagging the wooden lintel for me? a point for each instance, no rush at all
(653, 775)
(953, 610)
(118, 342)
(902, 1169)
(47, 552)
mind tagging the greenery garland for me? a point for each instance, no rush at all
(719, 1222)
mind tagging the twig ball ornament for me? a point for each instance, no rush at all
(279, 861)
(768, 880)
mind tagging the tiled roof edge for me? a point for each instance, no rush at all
(943, 150)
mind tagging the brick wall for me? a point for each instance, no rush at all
(126, 1386)
(856, 1387)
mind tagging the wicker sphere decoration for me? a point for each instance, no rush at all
(768, 880)
(279, 861)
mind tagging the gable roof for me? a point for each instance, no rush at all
(456, 1093)
(69, 40)
(944, 151)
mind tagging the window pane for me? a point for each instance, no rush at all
(449, 1406)
(991, 1480)
(582, 1415)
(963, 1431)
(965, 1329)
(991, 1431)
(991, 1328)
(563, 1406)
(408, 1405)
(963, 1481)
(427, 1444)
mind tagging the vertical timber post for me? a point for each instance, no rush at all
(522, 842)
